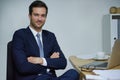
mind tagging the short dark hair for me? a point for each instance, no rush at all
(37, 3)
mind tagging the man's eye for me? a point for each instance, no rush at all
(35, 14)
(43, 15)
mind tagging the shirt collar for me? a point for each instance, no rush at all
(35, 32)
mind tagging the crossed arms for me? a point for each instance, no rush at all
(39, 60)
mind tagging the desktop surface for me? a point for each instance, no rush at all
(76, 62)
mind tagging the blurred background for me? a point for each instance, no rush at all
(77, 24)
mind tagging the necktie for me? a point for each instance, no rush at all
(40, 45)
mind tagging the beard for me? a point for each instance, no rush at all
(36, 25)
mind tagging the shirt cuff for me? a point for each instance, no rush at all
(44, 62)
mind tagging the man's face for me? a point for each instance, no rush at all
(38, 18)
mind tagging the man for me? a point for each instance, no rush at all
(36, 52)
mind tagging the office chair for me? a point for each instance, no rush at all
(10, 64)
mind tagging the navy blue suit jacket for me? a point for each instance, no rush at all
(25, 45)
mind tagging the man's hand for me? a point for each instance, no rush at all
(35, 60)
(38, 60)
(55, 55)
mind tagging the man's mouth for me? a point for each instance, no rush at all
(39, 22)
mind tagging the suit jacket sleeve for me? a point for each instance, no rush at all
(56, 63)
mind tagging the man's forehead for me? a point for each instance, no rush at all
(39, 10)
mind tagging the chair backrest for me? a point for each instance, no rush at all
(10, 65)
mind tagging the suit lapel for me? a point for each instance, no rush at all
(32, 41)
(34, 44)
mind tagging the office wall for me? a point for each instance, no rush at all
(76, 23)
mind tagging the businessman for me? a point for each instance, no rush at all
(36, 52)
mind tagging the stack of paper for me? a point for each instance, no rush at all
(104, 75)
(109, 74)
(94, 77)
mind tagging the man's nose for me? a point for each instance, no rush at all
(40, 18)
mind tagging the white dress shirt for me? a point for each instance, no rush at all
(35, 33)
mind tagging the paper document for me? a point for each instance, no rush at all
(104, 75)
(94, 77)
(109, 74)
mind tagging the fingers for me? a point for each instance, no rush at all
(55, 55)
(35, 60)
(30, 59)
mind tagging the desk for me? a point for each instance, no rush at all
(76, 62)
